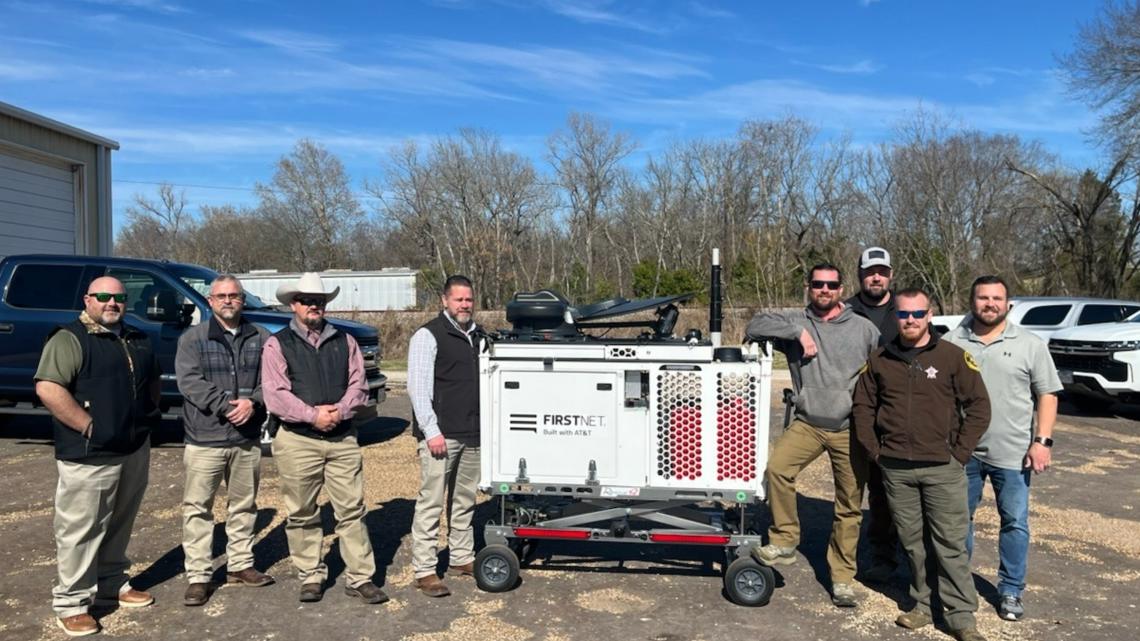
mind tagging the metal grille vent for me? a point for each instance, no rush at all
(735, 427)
(623, 352)
(679, 425)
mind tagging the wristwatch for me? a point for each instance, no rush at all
(1044, 440)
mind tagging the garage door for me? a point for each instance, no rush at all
(37, 206)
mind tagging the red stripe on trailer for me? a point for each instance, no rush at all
(550, 533)
(711, 539)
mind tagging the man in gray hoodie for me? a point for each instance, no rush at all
(827, 345)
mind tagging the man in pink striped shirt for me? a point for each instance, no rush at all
(312, 378)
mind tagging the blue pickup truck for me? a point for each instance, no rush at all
(41, 292)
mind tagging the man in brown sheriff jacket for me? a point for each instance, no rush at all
(919, 408)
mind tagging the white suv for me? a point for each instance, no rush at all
(1099, 364)
(1045, 315)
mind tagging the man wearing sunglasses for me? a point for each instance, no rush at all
(218, 364)
(826, 344)
(1023, 382)
(100, 380)
(876, 303)
(919, 408)
(312, 378)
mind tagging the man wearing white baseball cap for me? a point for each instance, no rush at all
(312, 379)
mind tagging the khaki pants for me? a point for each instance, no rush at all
(934, 497)
(796, 449)
(306, 465)
(95, 509)
(206, 467)
(455, 475)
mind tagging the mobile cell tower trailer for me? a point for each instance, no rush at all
(622, 440)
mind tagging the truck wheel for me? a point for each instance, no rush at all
(749, 583)
(496, 568)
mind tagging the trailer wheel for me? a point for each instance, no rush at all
(749, 583)
(496, 568)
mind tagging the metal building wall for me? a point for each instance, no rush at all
(391, 289)
(27, 135)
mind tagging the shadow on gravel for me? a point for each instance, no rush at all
(387, 525)
(266, 552)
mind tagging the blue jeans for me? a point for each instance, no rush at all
(1011, 490)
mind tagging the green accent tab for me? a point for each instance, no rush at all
(741, 496)
(504, 488)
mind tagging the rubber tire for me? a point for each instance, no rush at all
(749, 583)
(496, 568)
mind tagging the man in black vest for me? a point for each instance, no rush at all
(219, 374)
(312, 379)
(876, 303)
(443, 383)
(100, 380)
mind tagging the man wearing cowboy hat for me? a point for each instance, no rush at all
(312, 379)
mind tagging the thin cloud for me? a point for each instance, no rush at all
(704, 11)
(595, 12)
(157, 6)
(861, 67)
(1039, 112)
(25, 71)
(557, 67)
(294, 41)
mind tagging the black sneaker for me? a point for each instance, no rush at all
(1010, 608)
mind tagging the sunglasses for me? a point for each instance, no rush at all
(310, 301)
(826, 284)
(917, 313)
(103, 297)
(227, 296)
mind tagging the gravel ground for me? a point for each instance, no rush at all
(1084, 580)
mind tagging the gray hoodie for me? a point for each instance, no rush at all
(823, 384)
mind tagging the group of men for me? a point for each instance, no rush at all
(100, 379)
(920, 421)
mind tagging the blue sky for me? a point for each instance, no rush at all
(207, 95)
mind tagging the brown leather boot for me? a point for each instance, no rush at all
(466, 569)
(432, 586)
(249, 577)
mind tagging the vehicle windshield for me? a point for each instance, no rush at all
(200, 278)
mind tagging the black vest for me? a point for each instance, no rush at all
(455, 397)
(113, 390)
(317, 376)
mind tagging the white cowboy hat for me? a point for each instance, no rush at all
(309, 283)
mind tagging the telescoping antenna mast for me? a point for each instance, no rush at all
(715, 316)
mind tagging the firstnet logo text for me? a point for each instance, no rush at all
(574, 420)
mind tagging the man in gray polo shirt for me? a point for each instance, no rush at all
(1023, 385)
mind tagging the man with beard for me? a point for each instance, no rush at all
(876, 303)
(919, 409)
(218, 364)
(1023, 386)
(826, 344)
(99, 378)
(312, 377)
(443, 384)
(874, 300)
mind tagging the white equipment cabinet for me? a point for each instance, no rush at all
(650, 440)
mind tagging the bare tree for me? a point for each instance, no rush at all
(310, 197)
(586, 157)
(1095, 228)
(158, 228)
(1104, 70)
